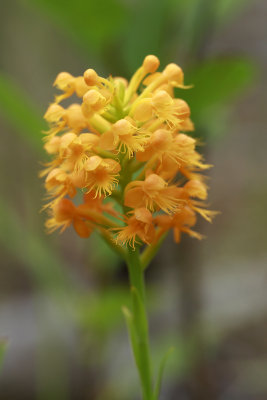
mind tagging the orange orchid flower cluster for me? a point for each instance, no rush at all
(122, 162)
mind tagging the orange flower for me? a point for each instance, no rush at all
(152, 193)
(181, 221)
(64, 213)
(101, 174)
(140, 225)
(124, 136)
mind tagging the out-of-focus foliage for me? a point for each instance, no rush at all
(21, 112)
(94, 24)
(34, 252)
(3, 345)
(217, 83)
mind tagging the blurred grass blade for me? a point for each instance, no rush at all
(33, 251)
(227, 9)
(21, 112)
(145, 29)
(132, 334)
(3, 346)
(90, 23)
(217, 83)
(160, 372)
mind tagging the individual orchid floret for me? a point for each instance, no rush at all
(101, 174)
(125, 137)
(139, 226)
(152, 193)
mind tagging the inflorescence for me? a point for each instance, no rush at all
(122, 161)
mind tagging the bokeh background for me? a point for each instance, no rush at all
(62, 333)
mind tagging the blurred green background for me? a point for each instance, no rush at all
(62, 334)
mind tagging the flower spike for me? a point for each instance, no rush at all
(124, 144)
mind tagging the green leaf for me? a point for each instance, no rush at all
(139, 314)
(100, 310)
(132, 335)
(3, 346)
(91, 23)
(34, 252)
(217, 83)
(21, 112)
(144, 33)
(227, 9)
(141, 333)
(160, 373)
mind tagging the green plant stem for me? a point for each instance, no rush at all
(150, 251)
(139, 331)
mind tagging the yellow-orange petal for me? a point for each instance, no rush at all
(134, 198)
(92, 163)
(81, 228)
(64, 210)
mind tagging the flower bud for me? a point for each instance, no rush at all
(161, 99)
(93, 101)
(174, 73)
(91, 78)
(150, 64)
(123, 127)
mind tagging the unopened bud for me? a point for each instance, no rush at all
(161, 99)
(150, 64)
(174, 73)
(90, 77)
(93, 101)
(123, 127)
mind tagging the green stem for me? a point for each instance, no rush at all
(150, 251)
(135, 272)
(140, 347)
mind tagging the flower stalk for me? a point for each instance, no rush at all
(138, 327)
